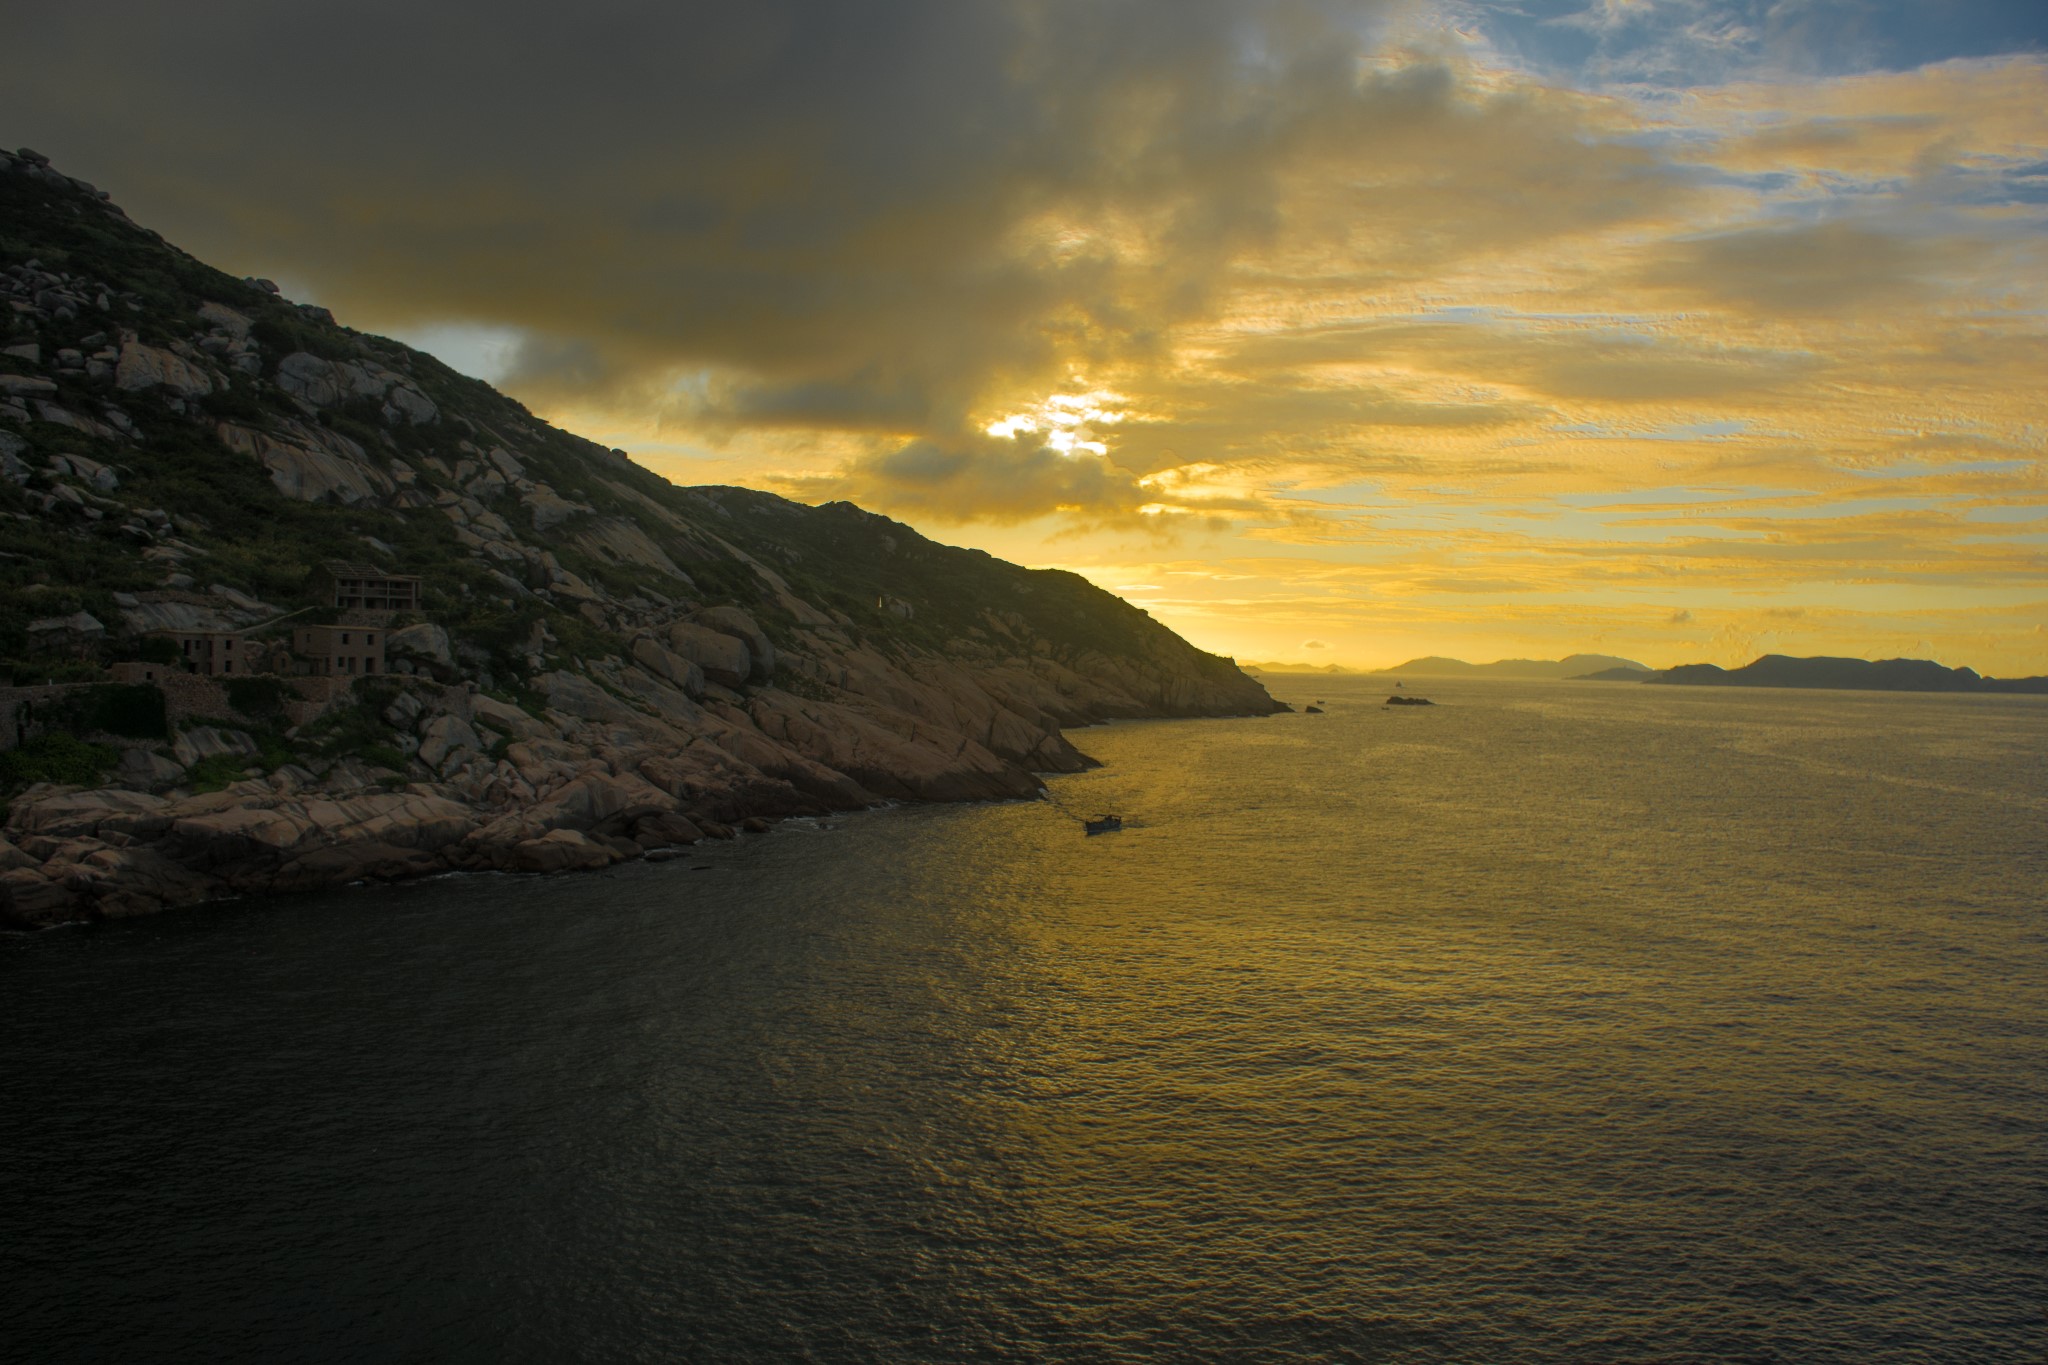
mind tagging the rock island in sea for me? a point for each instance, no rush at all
(285, 605)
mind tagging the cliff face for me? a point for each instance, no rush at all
(600, 663)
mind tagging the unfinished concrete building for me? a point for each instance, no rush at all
(367, 588)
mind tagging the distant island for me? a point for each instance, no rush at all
(1859, 675)
(1572, 666)
(1274, 666)
(1772, 670)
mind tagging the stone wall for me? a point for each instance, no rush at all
(20, 705)
(187, 696)
(317, 696)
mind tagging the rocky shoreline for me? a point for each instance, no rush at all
(588, 782)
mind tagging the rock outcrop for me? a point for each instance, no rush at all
(147, 367)
(308, 463)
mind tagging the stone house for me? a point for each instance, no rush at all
(345, 650)
(214, 653)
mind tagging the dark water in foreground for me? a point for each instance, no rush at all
(1558, 1022)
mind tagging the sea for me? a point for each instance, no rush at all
(1550, 1022)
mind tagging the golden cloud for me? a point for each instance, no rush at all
(1405, 337)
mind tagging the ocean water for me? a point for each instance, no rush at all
(1554, 1022)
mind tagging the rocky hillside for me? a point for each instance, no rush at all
(602, 663)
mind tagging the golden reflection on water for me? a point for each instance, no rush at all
(1340, 988)
(1553, 1022)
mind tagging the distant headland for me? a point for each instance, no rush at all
(1772, 670)
(1571, 666)
(1859, 675)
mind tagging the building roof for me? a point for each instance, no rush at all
(342, 568)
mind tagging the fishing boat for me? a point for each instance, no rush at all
(1103, 824)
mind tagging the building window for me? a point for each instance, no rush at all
(228, 667)
(369, 639)
(344, 637)
(229, 646)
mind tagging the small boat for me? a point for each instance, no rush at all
(1103, 824)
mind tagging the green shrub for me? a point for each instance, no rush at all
(384, 756)
(259, 697)
(155, 649)
(240, 403)
(216, 771)
(280, 334)
(273, 750)
(375, 690)
(55, 756)
(30, 672)
(132, 710)
(339, 733)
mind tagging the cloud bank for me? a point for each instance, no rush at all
(1550, 304)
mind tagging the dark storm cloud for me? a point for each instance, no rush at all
(852, 217)
(822, 194)
(1280, 250)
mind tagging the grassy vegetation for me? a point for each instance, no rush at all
(34, 671)
(259, 698)
(45, 223)
(217, 771)
(130, 710)
(384, 756)
(55, 756)
(359, 729)
(274, 749)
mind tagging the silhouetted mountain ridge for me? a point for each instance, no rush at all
(1857, 675)
(1571, 666)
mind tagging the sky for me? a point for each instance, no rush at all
(1328, 331)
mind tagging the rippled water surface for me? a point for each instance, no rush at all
(1555, 1022)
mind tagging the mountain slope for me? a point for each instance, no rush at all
(599, 655)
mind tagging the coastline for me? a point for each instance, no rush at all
(589, 783)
